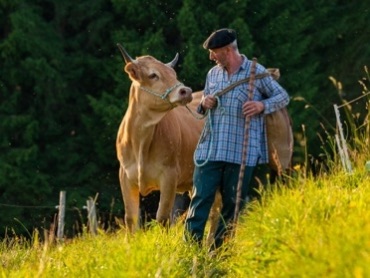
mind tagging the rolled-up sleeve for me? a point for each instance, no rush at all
(277, 97)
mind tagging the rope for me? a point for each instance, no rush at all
(209, 123)
(245, 143)
(210, 131)
(198, 117)
(165, 94)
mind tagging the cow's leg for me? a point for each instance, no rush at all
(131, 199)
(166, 200)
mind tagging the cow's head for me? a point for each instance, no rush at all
(156, 82)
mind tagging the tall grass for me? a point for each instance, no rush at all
(357, 125)
(316, 229)
(312, 227)
(153, 253)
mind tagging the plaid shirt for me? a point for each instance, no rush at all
(223, 134)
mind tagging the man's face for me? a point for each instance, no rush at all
(219, 55)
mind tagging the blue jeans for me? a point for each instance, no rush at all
(207, 179)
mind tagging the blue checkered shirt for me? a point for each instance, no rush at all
(223, 134)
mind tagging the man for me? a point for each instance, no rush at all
(218, 156)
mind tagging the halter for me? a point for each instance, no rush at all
(164, 95)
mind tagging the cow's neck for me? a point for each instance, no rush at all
(142, 118)
(141, 125)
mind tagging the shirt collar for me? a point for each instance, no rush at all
(244, 64)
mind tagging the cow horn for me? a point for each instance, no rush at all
(125, 55)
(173, 63)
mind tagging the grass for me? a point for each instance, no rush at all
(310, 227)
(154, 253)
(318, 229)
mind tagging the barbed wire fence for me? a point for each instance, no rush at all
(90, 207)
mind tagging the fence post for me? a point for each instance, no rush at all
(61, 214)
(341, 142)
(91, 215)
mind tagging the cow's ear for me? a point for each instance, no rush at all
(133, 71)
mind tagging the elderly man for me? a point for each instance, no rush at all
(218, 156)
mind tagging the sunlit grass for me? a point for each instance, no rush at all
(313, 228)
(319, 229)
(153, 253)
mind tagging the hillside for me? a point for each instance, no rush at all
(309, 228)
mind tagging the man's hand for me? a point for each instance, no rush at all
(251, 108)
(209, 102)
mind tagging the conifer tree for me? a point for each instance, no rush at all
(63, 91)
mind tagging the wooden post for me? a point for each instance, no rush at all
(91, 215)
(342, 145)
(245, 145)
(61, 214)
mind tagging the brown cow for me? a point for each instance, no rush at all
(157, 136)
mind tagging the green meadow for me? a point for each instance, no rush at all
(311, 228)
(305, 227)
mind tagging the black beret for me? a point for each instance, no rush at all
(220, 38)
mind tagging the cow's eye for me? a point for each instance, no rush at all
(153, 76)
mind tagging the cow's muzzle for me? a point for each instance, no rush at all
(185, 95)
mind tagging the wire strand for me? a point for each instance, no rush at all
(349, 102)
(25, 206)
